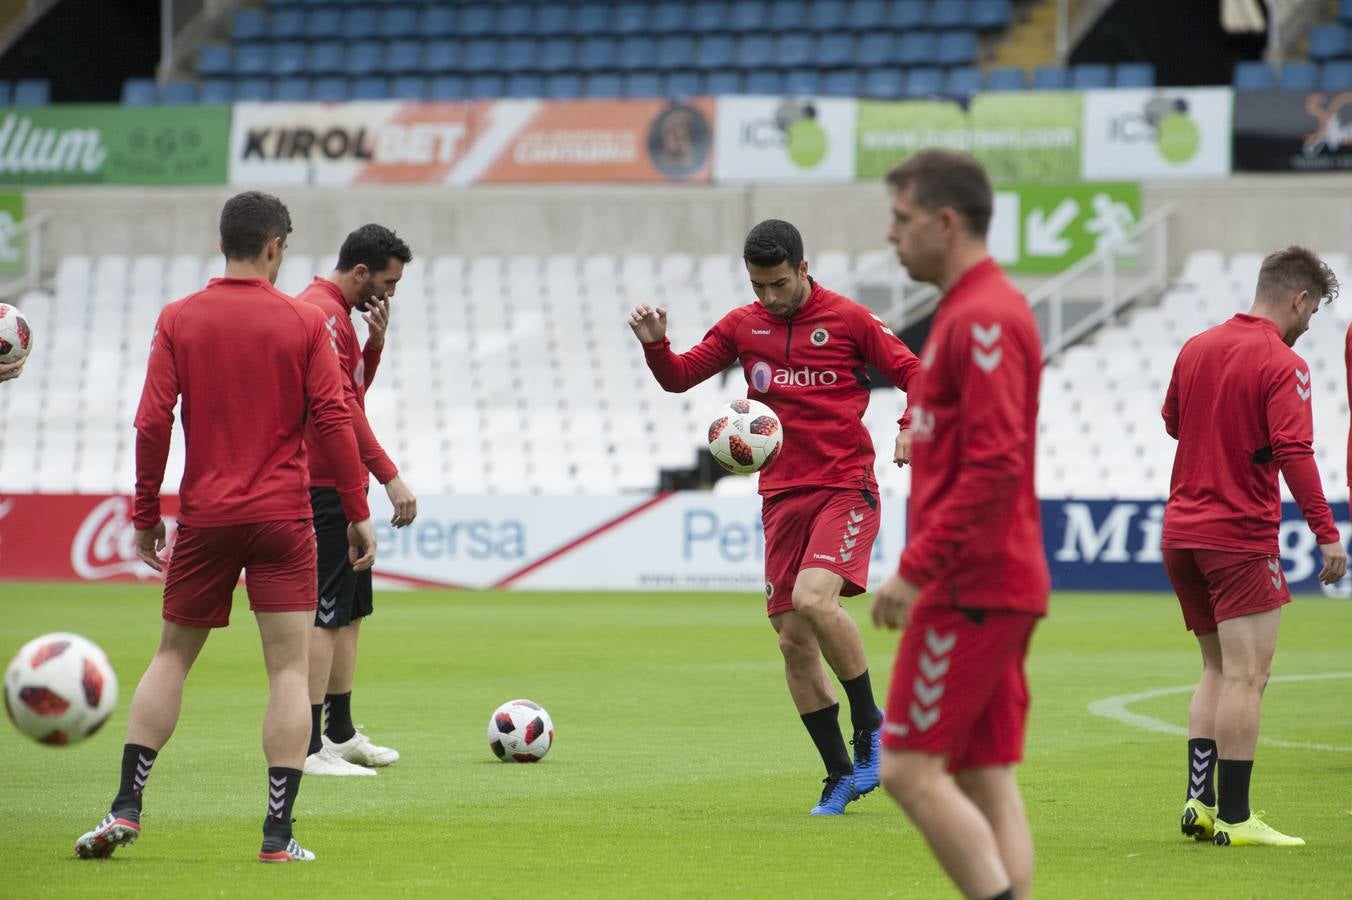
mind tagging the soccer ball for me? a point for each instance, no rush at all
(16, 338)
(60, 689)
(745, 436)
(520, 731)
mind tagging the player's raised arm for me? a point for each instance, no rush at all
(678, 372)
(888, 354)
(155, 423)
(377, 319)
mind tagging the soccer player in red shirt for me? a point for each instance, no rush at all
(370, 264)
(1239, 406)
(805, 351)
(251, 365)
(973, 579)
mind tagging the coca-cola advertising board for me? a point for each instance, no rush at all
(72, 537)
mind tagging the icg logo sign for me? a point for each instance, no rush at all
(795, 127)
(1164, 121)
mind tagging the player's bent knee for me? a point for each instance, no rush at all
(811, 602)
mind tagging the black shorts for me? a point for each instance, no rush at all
(344, 595)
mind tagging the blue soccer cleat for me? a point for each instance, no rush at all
(836, 794)
(868, 754)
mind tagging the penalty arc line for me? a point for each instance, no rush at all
(1116, 708)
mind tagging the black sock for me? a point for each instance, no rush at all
(824, 726)
(338, 717)
(136, 763)
(1006, 894)
(1232, 788)
(282, 787)
(1202, 770)
(316, 714)
(864, 715)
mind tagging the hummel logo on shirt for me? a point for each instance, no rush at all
(759, 331)
(1302, 384)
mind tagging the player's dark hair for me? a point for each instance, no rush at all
(248, 221)
(1297, 269)
(772, 242)
(374, 246)
(948, 178)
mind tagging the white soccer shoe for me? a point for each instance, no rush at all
(359, 749)
(326, 762)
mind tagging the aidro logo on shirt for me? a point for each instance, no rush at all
(763, 376)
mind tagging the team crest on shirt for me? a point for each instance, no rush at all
(769, 589)
(761, 376)
(819, 336)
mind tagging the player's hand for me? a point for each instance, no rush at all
(377, 319)
(12, 370)
(892, 604)
(649, 323)
(361, 545)
(902, 454)
(404, 503)
(151, 543)
(1335, 562)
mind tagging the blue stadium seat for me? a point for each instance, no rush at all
(682, 83)
(557, 54)
(286, 4)
(525, 85)
(877, 49)
(518, 55)
(785, 15)
(908, 14)
(515, 19)
(135, 92)
(325, 58)
(916, 48)
(925, 81)
(475, 20)
(178, 93)
(253, 90)
(563, 86)
(719, 82)
(835, 50)
(989, 15)
(1133, 75)
(603, 84)
(867, 15)
(962, 81)
(1328, 42)
(1299, 76)
(1090, 76)
(398, 21)
(329, 90)
(370, 87)
(361, 22)
(1336, 76)
(641, 84)
(287, 25)
(746, 16)
(403, 57)
(440, 56)
(1006, 79)
(592, 18)
(480, 55)
(253, 59)
(841, 83)
(216, 91)
(949, 14)
(1345, 10)
(956, 48)
(554, 19)
(803, 82)
(215, 59)
(755, 51)
(884, 84)
(1051, 78)
(597, 53)
(827, 15)
(446, 88)
(412, 88)
(438, 21)
(249, 25)
(288, 59)
(675, 51)
(363, 58)
(636, 52)
(710, 16)
(630, 18)
(5, 92)
(764, 82)
(793, 50)
(291, 90)
(323, 22)
(715, 51)
(1253, 75)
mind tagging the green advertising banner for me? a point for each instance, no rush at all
(131, 145)
(1046, 228)
(12, 257)
(1032, 136)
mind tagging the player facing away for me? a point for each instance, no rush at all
(370, 264)
(243, 504)
(805, 351)
(1239, 405)
(973, 581)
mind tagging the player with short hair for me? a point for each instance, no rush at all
(805, 351)
(973, 580)
(1239, 405)
(370, 263)
(252, 366)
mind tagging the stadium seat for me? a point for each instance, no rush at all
(802, 81)
(877, 49)
(1299, 76)
(324, 22)
(411, 88)
(1006, 79)
(604, 84)
(989, 15)
(485, 87)
(764, 82)
(398, 22)
(178, 93)
(438, 21)
(907, 15)
(670, 18)
(287, 25)
(636, 52)
(956, 48)
(329, 89)
(439, 56)
(1345, 10)
(554, 20)
(1090, 76)
(480, 55)
(253, 90)
(515, 20)
(1328, 42)
(1133, 75)
(715, 51)
(630, 18)
(1336, 76)
(446, 88)
(884, 84)
(1051, 78)
(360, 22)
(721, 82)
(325, 58)
(253, 59)
(949, 14)
(216, 91)
(288, 59)
(1253, 75)
(962, 81)
(675, 52)
(364, 59)
(754, 51)
(476, 20)
(682, 83)
(641, 84)
(925, 81)
(249, 25)
(563, 86)
(139, 92)
(841, 83)
(916, 48)
(829, 15)
(518, 55)
(557, 54)
(591, 18)
(834, 50)
(215, 59)
(597, 53)
(370, 87)
(794, 50)
(291, 90)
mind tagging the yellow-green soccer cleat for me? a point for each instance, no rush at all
(1253, 832)
(1199, 820)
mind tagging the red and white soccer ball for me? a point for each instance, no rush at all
(520, 731)
(745, 436)
(60, 689)
(16, 338)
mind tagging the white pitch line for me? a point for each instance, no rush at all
(1116, 708)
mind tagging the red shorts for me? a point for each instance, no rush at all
(821, 528)
(278, 557)
(1215, 585)
(958, 688)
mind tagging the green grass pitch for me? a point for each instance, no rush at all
(679, 766)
